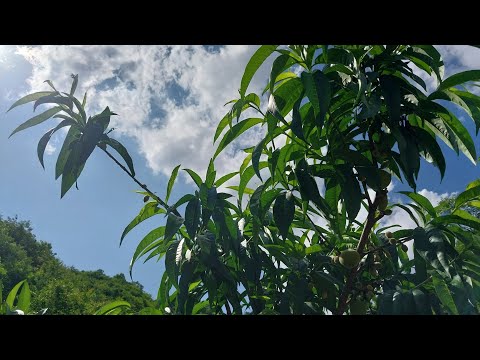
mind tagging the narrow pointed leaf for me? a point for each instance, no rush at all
(253, 64)
(283, 213)
(37, 119)
(192, 217)
(171, 181)
(460, 78)
(122, 151)
(152, 236)
(30, 98)
(13, 294)
(195, 177)
(235, 132)
(150, 209)
(444, 294)
(466, 196)
(110, 307)
(422, 201)
(173, 225)
(24, 298)
(42, 144)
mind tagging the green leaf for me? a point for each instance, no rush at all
(257, 152)
(73, 167)
(430, 145)
(173, 225)
(122, 151)
(253, 64)
(171, 267)
(150, 209)
(42, 144)
(246, 177)
(422, 201)
(443, 293)
(236, 131)
(283, 213)
(74, 84)
(24, 298)
(280, 64)
(473, 184)
(211, 174)
(296, 123)
(13, 293)
(185, 280)
(466, 196)
(110, 307)
(460, 78)
(192, 217)
(391, 93)
(309, 190)
(317, 89)
(463, 138)
(195, 177)
(459, 217)
(30, 98)
(226, 120)
(37, 119)
(409, 212)
(351, 192)
(422, 303)
(255, 204)
(72, 135)
(152, 236)
(225, 178)
(171, 181)
(53, 99)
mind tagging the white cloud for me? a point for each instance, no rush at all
(433, 197)
(169, 98)
(50, 149)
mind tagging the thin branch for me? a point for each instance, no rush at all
(369, 223)
(143, 186)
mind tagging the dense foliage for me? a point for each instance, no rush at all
(340, 123)
(61, 289)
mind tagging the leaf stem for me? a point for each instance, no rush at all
(143, 186)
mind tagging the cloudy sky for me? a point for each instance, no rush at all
(169, 100)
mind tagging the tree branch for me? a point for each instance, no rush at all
(369, 223)
(143, 186)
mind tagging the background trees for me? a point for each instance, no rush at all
(63, 290)
(341, 121)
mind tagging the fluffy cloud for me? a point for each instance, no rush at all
(170, 98)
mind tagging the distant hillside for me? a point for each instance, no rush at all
(61, 289)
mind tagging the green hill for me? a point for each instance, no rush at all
(61, 289)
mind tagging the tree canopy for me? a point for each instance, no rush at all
(299, 230)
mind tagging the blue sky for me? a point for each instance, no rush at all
(169, 99)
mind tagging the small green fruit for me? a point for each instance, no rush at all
(385, 179)
(389, 235)
(369, 287)
(392, 241)
(349, 258)
(358, 307)
(382, 202)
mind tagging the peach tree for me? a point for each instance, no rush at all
(298, 230)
